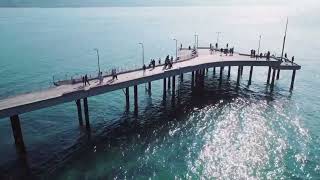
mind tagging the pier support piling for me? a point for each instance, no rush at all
(241, 71)
(173, 86)
(169, 82)
(269, 74)
(192, 79)
(181, 77)
(86, 113)
(250, 75)
(221, 73)
(214, 71)
(292, 79)
(238, 76)
(78, 102)
(17, 133)
(135, 96)
(229, 71)
(272, 81)
(278, 74)
(127, 98)
(164, 87)
(149, 88)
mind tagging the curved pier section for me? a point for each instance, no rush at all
(199, 63)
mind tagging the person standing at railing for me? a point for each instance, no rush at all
(83, 81)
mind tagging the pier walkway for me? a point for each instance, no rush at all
(16, 105)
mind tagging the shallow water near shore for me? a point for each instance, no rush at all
(213, 131)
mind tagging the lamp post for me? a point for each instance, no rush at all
(196, 38)
(97, 50)
(259, 45)
(176, 47)
(218, 34)
(142, 53)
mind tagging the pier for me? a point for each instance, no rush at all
(186, 62)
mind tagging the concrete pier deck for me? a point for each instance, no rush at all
(71, 92)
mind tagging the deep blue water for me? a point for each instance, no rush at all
(212, 132)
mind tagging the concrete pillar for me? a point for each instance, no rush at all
(86, 113)
(181, 77)
(135, 96)
(173, 85)
(269, 73)
(127, 98)
(196, 78)
(164, 87)
(214, 70)
(278, 74)
(250, 75)
(192, 79)
(78, 102)
(273, 77)
(169, 82)
(149, 88)
(241, 70)
(229, 71)
(239, 74)
(292, 79)
(221, 72)
(17, 133)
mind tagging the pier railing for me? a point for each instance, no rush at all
(77, 78)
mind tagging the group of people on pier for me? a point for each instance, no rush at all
(168, 62)
(226, 50)
(152, 64)
(85, 80)
(268, 54)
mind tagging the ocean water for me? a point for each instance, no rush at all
(211, 132)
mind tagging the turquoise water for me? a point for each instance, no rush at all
(214, 132)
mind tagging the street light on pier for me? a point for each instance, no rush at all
(218, 34)
(259, 45)
(196, 38)
(176, 47)
(142, 53)
(97, 50)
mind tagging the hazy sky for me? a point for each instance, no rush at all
(95, 3)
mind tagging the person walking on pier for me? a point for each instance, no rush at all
(180, 47)
(100, 78)
(159, 61)
(292, 59)
(86, 80)
(83, 80)
(227, 45)
(144, 68)
(216, 45)
(285, 57)
(268, 55)
(114, 74)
